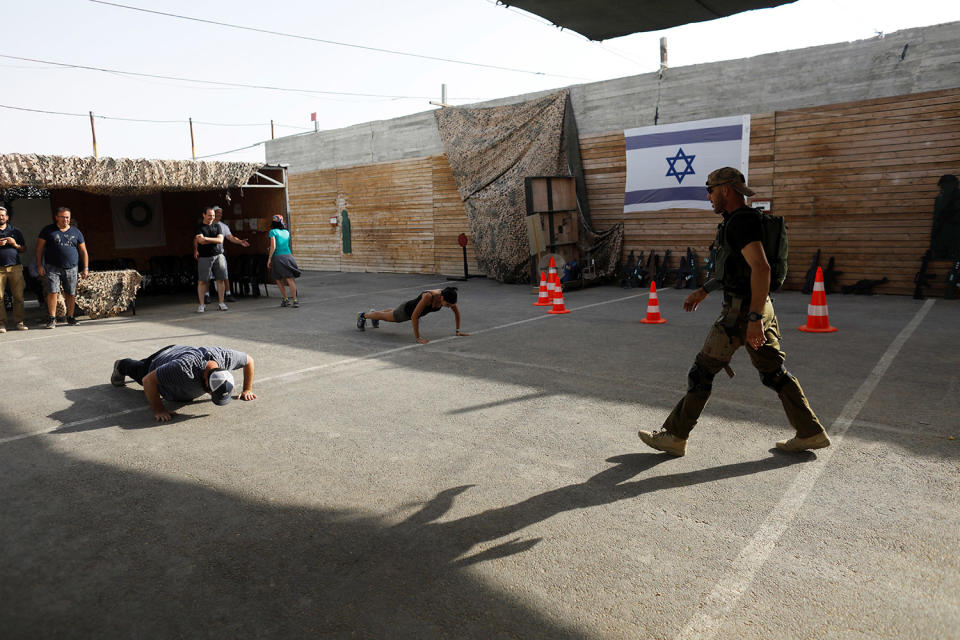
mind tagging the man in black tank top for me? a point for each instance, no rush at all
(413, 310)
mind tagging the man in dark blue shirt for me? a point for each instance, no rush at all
(12, 245)
(60, 249)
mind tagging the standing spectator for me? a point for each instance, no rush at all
(281, 263)
(208, 251)
(227, 236)
(60, 249)
(12, 245)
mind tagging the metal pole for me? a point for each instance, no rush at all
(443, 93)
(271, 130)
(193, 149)
(663, 54)
(93, 131)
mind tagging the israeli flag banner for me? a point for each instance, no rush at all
(668, 165)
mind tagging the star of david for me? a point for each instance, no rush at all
(687, 171)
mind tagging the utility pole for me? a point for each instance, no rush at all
(443, 97)
(193, 149)
(663, 55)
(271, 130)
(93, 131)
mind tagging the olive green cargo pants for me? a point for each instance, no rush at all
(726, 336)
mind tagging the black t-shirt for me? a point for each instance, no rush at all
(61, 248)
(211, 230)
(10, 256)
(742, 227)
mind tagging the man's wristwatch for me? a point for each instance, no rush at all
(753, 316)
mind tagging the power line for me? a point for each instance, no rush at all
(217, 82)
(212, 124)
(223, 153)
(334, 42)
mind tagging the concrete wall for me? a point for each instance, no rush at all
(905, 62)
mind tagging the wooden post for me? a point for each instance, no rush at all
(93, 131)
(193, 149)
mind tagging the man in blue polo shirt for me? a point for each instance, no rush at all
(180, 373)
(12, 245)
(60, 249)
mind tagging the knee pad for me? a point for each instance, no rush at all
(699, 379)
(776, 380)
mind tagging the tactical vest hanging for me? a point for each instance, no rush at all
(774, 239)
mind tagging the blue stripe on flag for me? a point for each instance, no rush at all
(665, 195)
(690, 136)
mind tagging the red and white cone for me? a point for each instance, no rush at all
(543, 298)
(558, 305)
(552, 268)
(818, 320)
(653, 307)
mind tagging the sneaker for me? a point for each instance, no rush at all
(3, 329)
(375, 323)
(295, 304)
(51, 322)
(201, 308)
(795, 445)
(361, 322)
(663, 440)
(222, 306)
(229, 298)
(284, 302)
(116, 378)
(22, 327)
(72, 321)
(206, 298)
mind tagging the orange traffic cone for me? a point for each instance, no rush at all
(543, 298)
(552, 270)
(653, 307)
(818, 320)
(558, 306)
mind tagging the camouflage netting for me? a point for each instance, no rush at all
(104, 293)
(490, 152)
(121, 176)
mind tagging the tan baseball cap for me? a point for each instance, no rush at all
(732, 177)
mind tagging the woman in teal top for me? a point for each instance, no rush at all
(281, 263)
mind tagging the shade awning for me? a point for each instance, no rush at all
(116, 176)
(604, 19)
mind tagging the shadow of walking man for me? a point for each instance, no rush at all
(455, 538)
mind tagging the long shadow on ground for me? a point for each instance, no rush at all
(91, 551)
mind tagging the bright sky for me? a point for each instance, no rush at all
(539, 56)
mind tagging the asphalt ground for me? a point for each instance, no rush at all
(489, 486)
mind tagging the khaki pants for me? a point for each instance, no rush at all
(13, 275)
(726, 336)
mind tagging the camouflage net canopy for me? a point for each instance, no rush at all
(121, 176)
(490, 152)
(103, 293)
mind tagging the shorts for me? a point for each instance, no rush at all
(57, 276)
(212, 268)
(400, 313)
(284, 266)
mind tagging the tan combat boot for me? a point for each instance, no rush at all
(663, 440)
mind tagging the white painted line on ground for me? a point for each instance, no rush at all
(715, 608)
(289, 374)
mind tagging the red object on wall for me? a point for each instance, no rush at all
(462, 240)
